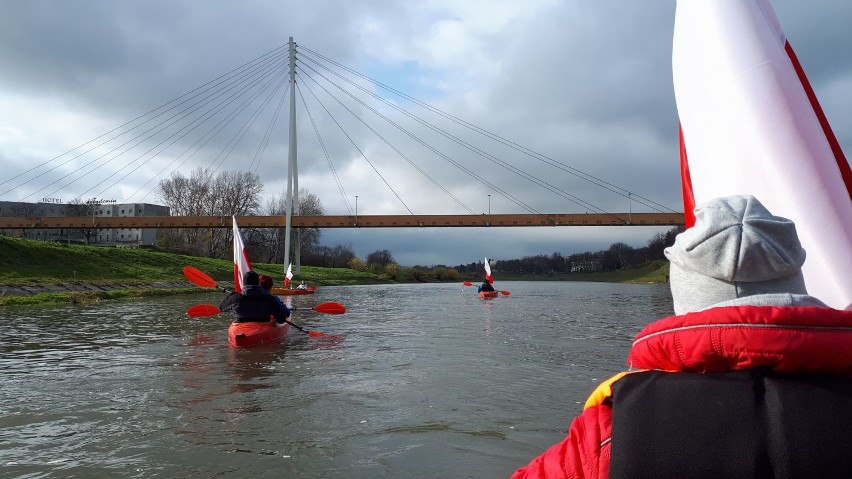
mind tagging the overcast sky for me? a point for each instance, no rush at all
(585, 83)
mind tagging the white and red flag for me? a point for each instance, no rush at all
(488, 276)
(241, 261)
(288, 276)
(752, 125)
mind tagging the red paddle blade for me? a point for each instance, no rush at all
(330, 308)
(468, 283)
(315, 334)
(203, 310)
(504, 292)
(198, 277)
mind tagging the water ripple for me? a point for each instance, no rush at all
(414, 380)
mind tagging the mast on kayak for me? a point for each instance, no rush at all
(292, 198)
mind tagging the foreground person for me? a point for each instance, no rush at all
(751, 378)
(253, 304)
(485, 286)
(266, 285)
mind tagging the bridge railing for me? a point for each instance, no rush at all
(361, 221)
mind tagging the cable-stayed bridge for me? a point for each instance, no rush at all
(332, 221)
(210, 127)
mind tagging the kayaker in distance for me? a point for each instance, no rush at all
(485, 286)
(302, 285)
(266, 284)
(253, 304)
(750, 378)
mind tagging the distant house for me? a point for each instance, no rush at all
(589, 265)
(107, 236)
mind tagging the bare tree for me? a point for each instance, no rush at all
(24, 210)
(337, 257)
(202, 194)
(234, 194)
(380, 258)
(309, 205)
(617, 256)
(186, 197)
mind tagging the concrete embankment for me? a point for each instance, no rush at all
(31, 289)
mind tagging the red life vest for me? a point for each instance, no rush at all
(778, 367)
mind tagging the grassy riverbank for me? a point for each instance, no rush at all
(656, 272)
(38, 263)
(34, 263)
(89, 297)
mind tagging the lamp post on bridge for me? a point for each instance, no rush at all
(629, 209)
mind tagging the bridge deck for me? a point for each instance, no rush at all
(361, 221)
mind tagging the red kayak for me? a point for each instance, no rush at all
(256, 334)
(488, 294)
(293, 291)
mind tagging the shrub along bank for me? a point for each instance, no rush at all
(99, 273)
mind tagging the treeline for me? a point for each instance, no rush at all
(617, 256)
(228, 193)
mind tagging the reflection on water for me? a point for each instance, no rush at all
(413, 381)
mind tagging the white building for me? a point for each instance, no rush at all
(108, 236)
(129, 236)
(20, 209)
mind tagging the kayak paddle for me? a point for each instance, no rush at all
(502, 291)
(210, 310)
(203, 310)
(200, 278)
(329, 307)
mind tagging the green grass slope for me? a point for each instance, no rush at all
(655, 272)
(24, 261)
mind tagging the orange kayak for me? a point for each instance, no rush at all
(255, 334)
(488, 294)
(293, 291)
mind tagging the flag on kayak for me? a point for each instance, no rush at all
(752, 125)
(241, 261)
(488, 276)
(288, 276)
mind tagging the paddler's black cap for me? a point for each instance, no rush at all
(250, 278)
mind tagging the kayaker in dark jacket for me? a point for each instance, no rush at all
(253, 304)
(485, 286)
(751, 378)
(266, 284)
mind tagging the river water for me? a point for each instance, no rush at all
(415, 381)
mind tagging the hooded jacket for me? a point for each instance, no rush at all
(253, 305)
(753, 378)
(731, 391)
